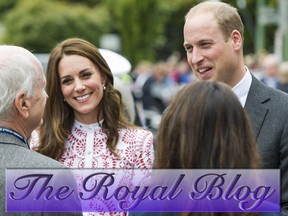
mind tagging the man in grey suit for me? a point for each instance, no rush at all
(22, 101)
(213, 39)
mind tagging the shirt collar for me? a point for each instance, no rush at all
(241, 89)
(88, 127)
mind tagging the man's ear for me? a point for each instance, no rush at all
(237, 39)
(22, 105)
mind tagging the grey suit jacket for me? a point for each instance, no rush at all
(16, 154)
(268, 111)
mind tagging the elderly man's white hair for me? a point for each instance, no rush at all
(18, 73)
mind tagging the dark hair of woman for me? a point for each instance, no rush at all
(206, 127)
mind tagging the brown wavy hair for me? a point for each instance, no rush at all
(206, 127)
(59, 116)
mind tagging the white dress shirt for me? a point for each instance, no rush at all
(241, 89)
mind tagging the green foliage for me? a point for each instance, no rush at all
(148, 29)
(139, 24)
(38, 25)
(90, 3)
(6, 5)
(175, 12)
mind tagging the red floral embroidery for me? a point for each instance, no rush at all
(134, 148)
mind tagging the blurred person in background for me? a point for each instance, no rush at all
(252, 62)
(139, 76)
(127, 98)
(269, 66)
(158, 91)
(283, 77)
(182, 73)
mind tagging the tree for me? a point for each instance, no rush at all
(140, 26)
(175, 12)
(38, 25)
(6, 5)
(149, 29)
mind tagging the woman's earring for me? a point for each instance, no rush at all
(104, 87)
(64, 100)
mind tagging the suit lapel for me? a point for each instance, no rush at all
(255, 104)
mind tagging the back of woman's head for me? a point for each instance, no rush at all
(206, 127)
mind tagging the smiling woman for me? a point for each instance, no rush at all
(118, 65)
(82, 96)
(84, 122)
(82, 86)
(84, 125)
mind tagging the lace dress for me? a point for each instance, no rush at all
(86, 148)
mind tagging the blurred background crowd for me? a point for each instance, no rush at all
(155, 85)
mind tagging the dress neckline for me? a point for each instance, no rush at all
(88, 127)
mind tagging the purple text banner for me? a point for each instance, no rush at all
(133, 190)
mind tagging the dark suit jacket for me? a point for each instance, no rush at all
(268, 111)
(16, 154)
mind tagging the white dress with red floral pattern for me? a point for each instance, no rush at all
(86, 148)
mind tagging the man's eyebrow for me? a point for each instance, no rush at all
(185, 44)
